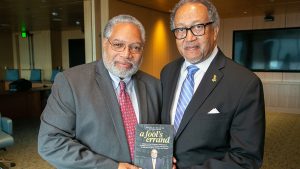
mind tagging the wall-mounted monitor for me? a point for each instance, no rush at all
(268, 50)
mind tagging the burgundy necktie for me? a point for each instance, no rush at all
(128, 116)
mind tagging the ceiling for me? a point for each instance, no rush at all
(231, 8)
(40, 14)
(63, 14)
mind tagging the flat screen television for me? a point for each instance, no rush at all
(268, 50)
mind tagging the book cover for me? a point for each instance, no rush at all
(154, 146)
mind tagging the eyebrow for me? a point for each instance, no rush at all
(118, 40)
(181, 25)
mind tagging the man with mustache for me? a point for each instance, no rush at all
(90, 117)
(215, 105)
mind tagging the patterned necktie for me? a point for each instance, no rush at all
(185, 96)
(128, 116)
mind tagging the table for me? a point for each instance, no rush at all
(24, 104)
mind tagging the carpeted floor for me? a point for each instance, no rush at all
(282, 145)
(24, 151)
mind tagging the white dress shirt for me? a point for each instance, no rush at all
(153, 163)
(203, 66)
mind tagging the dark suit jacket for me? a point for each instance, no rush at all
(81, 126)
(231, 139)
(148, 164)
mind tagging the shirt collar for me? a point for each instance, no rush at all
(116, 80)
(203, 66)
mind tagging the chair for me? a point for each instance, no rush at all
(12, 74)
(6, 139)
(54, 73)
(35, 75)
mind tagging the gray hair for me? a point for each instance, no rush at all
(123, 19)
(212, 11)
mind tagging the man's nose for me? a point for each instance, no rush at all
(126, 53)
(190, 36)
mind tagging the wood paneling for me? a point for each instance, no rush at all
(282, 96)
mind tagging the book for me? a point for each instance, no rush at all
(154, 146)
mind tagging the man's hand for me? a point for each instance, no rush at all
(174, 163)
(127, 166)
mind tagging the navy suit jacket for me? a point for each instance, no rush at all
(231, 139)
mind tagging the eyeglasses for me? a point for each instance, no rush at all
(119, 46)
(197, 30)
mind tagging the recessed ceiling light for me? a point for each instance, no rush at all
(54, 13)
(77, 22)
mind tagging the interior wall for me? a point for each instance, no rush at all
(65, 36)
(6, 52)
(24, 57)
(41, 54)
(160, 47)
(88, 31)
(50, 49)
(56, 49)
(281, 89)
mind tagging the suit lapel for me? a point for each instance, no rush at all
(210, 80)
(170, 88)
(105, 84)
(141, 94)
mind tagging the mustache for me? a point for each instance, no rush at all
(191, 45)
(126, 61)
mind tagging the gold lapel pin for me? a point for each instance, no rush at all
(214, 79)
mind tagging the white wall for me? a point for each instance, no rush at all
(282, 90)
(42, 53)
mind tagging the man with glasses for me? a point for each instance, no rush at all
(215, 105)
(90, 117)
